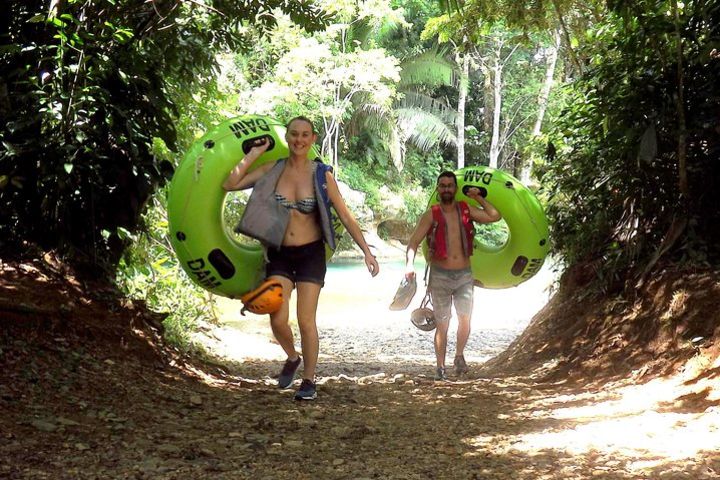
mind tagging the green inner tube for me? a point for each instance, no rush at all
(202, 242)
(528, 243)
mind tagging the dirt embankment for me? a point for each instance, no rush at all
(595, 388)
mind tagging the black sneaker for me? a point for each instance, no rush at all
(440, 374)
(287, 375)
(307, 390)
(460, 365)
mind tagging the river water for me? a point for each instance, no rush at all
(356, 326)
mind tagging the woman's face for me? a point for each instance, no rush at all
(300, 137)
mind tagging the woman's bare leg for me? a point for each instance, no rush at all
(279, 321)
(307, 301)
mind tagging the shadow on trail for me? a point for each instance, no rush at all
(95, 414)
(88, 392)
(390, 421)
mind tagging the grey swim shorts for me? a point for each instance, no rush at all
(451, 287)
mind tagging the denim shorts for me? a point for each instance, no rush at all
(302, 263)
(448, 287)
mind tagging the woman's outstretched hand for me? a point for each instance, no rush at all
(372, 264)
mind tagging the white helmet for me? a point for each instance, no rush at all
(423, 318)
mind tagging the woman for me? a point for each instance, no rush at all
(300, 261)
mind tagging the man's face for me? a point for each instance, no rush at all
(446, 189)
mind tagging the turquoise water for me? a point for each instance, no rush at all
(350, 286)
(356, 324)
(352, 265)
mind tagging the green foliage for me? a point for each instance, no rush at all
(367, 24)
(406, 42)
(429, 68)
(494, 235)
(537, 15)
(424, 120)
(612, 173)
(422, 168)
(499, 55)
(149, 271)
(416, 119)
(415, 199)
(85, 88)
(378, 179)
(358, 178)
(349, 86)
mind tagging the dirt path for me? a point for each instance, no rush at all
(87, 415)
(85, 394)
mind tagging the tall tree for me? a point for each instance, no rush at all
(492, 48)
(638, 139)
(551, 56)
(464, 61)
(85, 89)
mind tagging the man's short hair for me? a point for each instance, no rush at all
(448, 174)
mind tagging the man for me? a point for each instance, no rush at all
(450, 230)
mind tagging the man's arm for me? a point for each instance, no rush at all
(488, 213)
(421, 231)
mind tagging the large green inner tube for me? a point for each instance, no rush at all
(205, 248)
(527, 245)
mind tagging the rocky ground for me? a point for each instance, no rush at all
(88, 391)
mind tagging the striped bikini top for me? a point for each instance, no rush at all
(305, 205)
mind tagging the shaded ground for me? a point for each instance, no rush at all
(87, 390)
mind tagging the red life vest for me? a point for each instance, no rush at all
(438, 236)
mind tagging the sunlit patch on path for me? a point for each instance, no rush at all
(376, 387)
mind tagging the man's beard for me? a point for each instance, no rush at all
(447, 198)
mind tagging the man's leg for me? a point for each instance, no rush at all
(441, 299)
(441, 330)
(463, 334)
(463, 300)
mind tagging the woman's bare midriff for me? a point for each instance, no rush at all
(302, 229)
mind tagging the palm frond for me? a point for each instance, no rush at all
(423, 130)
(381, 126)
(433, 106)
(386, 30)
(431, 68)
(368, 116)
(452, 6)
(359, 30)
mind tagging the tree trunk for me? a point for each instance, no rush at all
(462, 99)
(680, 217)
(566, 36)
(682, 124)
(543, 100)
(487, 98)
(497, 106)
(547, 85)
(328, 148)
